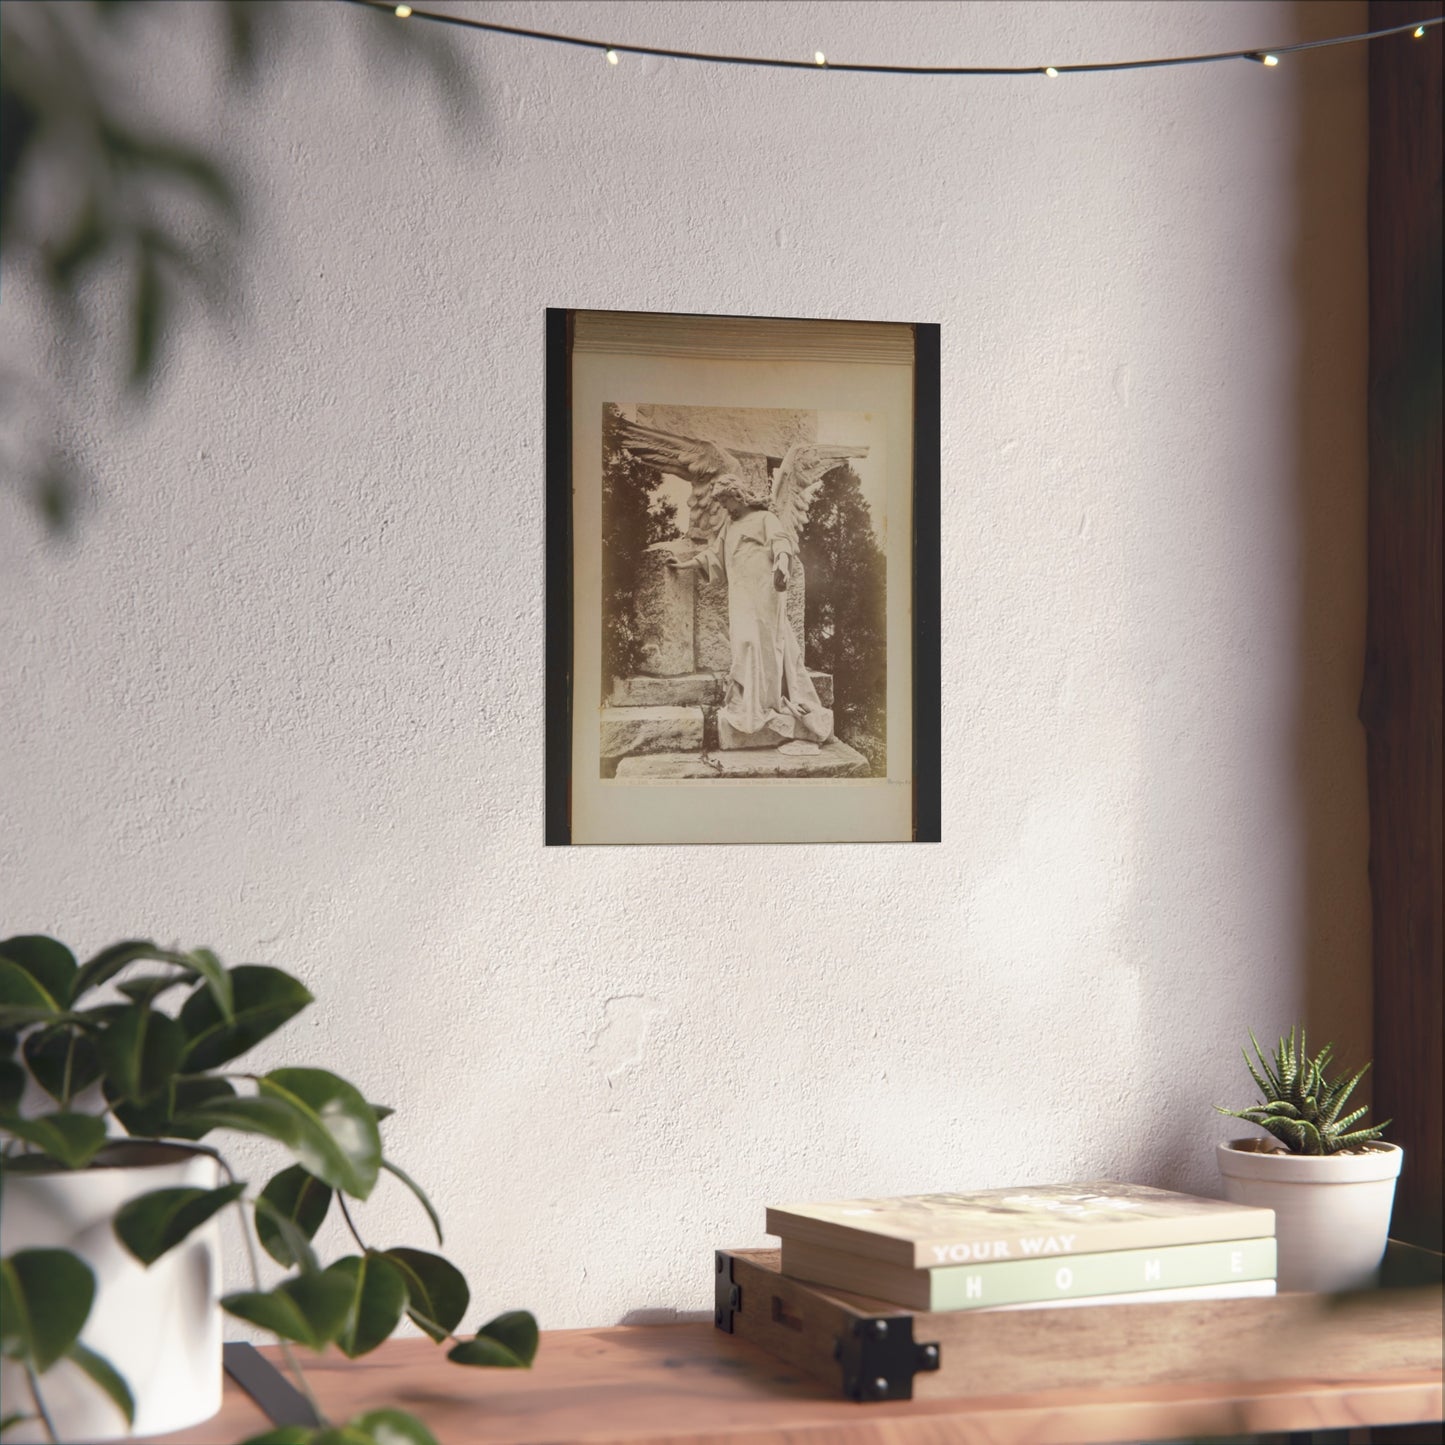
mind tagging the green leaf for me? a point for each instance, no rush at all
(437, 1293)
(148, 989)
(50, 964)
(141, 1051)
(12, 1086)
(378, 1296)
(109, 962)
(187, 1094)
(45, 1299)
(179, 161)
(310, 1310)
(1360, 1136)
(96, 1019)
(147, 315)
(14, 1323)
(507, 1342)
(210, 968)
(163, 1116)
(298, 1197)
(289, 1236)
(340, 1143)
(263, 998)
(73, 1139)
(87, 238)
(392, 1427)
(62, 1057)
(23, 999)
(382, 1111)
(104, 1374)
(151, 1224)
(341, 1435)
(416, 1189)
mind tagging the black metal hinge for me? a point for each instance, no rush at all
(880, 1358)
(727, 1296)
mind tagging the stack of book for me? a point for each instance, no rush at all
(1031, 1247)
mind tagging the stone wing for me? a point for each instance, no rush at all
(696, 461)
(798, 478)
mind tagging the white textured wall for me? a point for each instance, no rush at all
(283, 693)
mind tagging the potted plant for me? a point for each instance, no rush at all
(110, 1193)
(1331, 1185)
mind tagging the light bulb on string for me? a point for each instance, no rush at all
(1260, 57)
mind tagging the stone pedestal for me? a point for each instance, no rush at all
(629, 730)
(835, 759)
(647, 715)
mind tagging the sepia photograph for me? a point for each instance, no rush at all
(733, 593)
(744, 594)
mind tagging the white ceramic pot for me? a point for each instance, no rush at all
(1331, 1211)
(160, 1327)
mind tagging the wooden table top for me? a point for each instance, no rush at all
(692, 1384)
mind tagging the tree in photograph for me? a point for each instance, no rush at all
(847, 591)
(632, 520)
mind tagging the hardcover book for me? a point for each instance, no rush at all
(1032, 1281)
(925, 1231)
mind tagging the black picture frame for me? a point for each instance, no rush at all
(925, 574)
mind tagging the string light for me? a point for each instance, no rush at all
(612, 57)
(1260, 56)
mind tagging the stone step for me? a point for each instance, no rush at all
(628, 730)
(691, 689)
(835, 759)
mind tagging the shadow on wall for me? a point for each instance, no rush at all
(1331, 305)
(1311, 736)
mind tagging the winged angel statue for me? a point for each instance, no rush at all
(747, 534)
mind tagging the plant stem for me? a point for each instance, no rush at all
(69, 1073)
(291, 1361)
(346, 1215)
(39, 1403)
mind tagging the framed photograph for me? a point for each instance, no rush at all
(742, 580)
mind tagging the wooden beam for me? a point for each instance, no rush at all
(1400, 703)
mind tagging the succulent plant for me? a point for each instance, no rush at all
(1301, 1108)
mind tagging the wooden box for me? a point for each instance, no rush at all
(871, 1350)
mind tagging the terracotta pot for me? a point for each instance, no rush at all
(1331, 1211)
(160, 1327)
